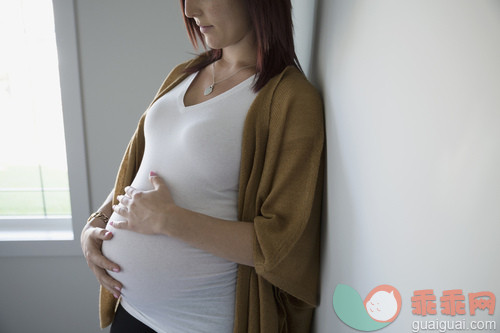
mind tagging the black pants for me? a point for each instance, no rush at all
(125, 323)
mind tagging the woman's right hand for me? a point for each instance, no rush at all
(91, 241)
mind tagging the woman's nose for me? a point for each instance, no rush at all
(191, 9)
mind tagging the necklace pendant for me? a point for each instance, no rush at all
(208, 90)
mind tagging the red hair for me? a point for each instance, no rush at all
(273, 26)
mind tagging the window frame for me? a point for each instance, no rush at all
(67, 50)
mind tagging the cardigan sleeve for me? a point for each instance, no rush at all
(287, 227)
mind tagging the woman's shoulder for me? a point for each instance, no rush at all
(289, 98)
(292, 83)
(291, 90)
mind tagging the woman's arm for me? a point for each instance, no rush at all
(154, 212)
(91, 238)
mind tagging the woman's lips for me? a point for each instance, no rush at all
(205, 28)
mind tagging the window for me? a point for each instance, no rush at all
(38, 80)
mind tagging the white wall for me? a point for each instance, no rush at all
(412, 98)
(303, 13)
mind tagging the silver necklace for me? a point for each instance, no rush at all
(210, 88)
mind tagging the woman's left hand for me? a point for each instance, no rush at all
(146, 212)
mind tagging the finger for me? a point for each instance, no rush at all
(156, 180)
(129, 190)
(114, 286)
(108, 282)
(95, 258)
(101, 233)
(120, 224)
(124, 200)
(120, 210)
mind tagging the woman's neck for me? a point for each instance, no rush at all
(241, 54)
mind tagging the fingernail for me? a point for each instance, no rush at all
(152, 174)
(116, 296)
(108, 233)
(110, 223)
(116, 270)
(118, 288)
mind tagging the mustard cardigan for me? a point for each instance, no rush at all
(280, 191)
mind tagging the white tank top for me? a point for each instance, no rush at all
(168, 284)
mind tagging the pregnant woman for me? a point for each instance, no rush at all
(213, 224)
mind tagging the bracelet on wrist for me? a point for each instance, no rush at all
(99, 215)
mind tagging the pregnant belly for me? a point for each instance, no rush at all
(158, 269)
